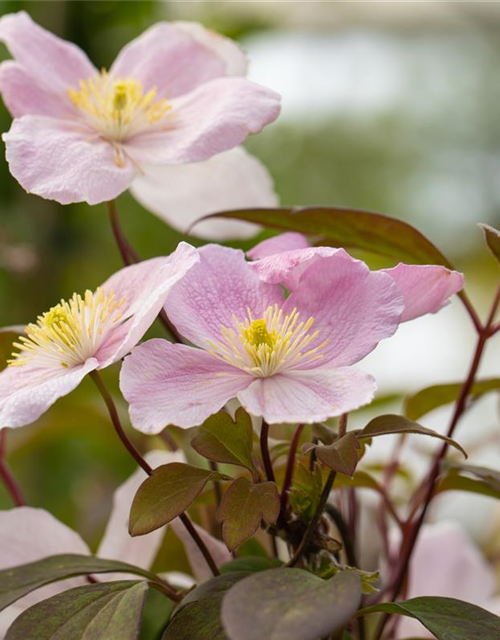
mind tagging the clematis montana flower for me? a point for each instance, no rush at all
(446, 563)
(286, 359)
(182, 194)
(80, 134)
(86, 333)
(29, 535)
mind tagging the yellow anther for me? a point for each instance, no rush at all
(70, 332)
(118, 109)
(120, 95)
(268, 345)
(258, 334)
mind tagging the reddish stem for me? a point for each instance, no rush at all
(410, 540)
(6, 475)
(130, 256)
(264, 449)
(115, 419)
(290, 465)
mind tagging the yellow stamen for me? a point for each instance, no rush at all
(268, 345)
(118, 108)
(69, 333)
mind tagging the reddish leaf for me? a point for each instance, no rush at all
(166, 494)
(243, 507)
(341, 456)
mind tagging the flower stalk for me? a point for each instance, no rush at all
(6, 475)
(115, 419)
(290, 465)
(264, 448)
(409, 541)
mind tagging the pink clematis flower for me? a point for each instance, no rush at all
(446, 563)
(182, 194)
(86, 333)
(170, 97)
(286, 359)
(28, 535)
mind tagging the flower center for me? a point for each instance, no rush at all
(69, 333)
(268, 345)
(118, 109)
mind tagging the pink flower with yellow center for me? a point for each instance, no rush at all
(86, 333)
(172, 96)
(286, 358)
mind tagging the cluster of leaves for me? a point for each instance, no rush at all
(315, 595)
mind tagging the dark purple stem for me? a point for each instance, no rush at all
(6, 475)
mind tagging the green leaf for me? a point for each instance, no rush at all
(324, 433)
(157, 612)
(17, 582)
(306, 491)
(290, 604)
(360, 479)
(370, 580)
(8, 335)
(251, 564)
(391, 424)
(455, 481)
(109, 611)
(446, 618)
(348, 228)
(491, 476)
(341, 456)
(243, 507)
(222, 440)
(492, 237)
(167, 493)
(319, 607)
(198, 616)
(439, 395)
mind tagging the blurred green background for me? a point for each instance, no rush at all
(391, 107)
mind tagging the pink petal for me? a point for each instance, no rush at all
(288, 267)
(353, 307)
(20, 545)
(426, 288)
(278, 244)
(308, 396)
(26, 392)
(57, 63)
(221, 286)
(215, 117)
(117, 544)
(28, 535)
(170, 58)
(234, 58)
(144, 287)
(24, 94)
(55, 160)
(199, 566)
(168, 383)
(182, 194)
(446, 563)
